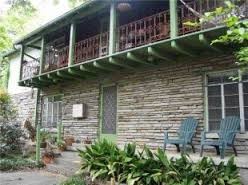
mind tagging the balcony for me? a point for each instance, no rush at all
(133, 34)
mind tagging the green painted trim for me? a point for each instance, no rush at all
(173, 19)
(36, 107)
(182, 50)
(109, 137)
(42, 55)
(159, 54)
(76, 73)
(120, 63)
(21, 60)
(105, 68)
(72, 44)
(37, 150)
(207, 43)
(137, 59)
(85, 69)
(112, 28)
(59, 132)
(34, 47)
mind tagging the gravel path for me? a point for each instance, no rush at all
(35, 177)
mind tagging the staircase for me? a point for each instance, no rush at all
(67, 164)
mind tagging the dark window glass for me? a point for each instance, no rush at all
(232, 112)
(245, 87)
(232, 101)
(214, 91)
(214, 80)
(245, 77)
(215, 114)
(231, 89)
(246, 125)
(214, 125)
(246, 112)
(214, 102)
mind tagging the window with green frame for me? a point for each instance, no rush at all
(227, 96)
(51, 110)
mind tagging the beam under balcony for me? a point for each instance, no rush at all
(21, 62)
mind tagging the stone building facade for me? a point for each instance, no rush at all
(149, 100)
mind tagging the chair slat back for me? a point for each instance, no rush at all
(228, 127)
(188, 125)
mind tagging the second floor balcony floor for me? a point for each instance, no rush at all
(137, 24)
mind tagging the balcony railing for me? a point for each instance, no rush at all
(141, 32)
(30, 69)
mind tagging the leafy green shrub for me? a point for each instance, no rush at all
(105, 160)
(10, 139)
(74, 180)
(17, 164)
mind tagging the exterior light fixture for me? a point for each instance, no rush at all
(124, 7)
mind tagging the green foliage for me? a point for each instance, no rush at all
(44, 135)
(7, 110)
(237, 33)
(17, 163)
(74, 180)
(10, 140)
(105, 160)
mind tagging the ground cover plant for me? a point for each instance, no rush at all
(105, 161)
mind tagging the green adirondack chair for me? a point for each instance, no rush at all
(229, 126)
(185, 135)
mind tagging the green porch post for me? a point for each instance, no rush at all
(42, 55)
(37, 157)
(59, 132)
(21, 60)
(173, 19)
(112, 29)
(37, 126)
(72, 44)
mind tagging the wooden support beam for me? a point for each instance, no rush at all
(65, 75)
(173, 19)
(47, 80)
(137, 59)
(31, 57)
(112, 28)
(21, 62)
(72, 44)
(158, 54)
(120, 63)
(182, 50)
(207, 43)
(34, 46)
(88, 70)
(53, 77)
(103, 67)
(37, 82)
(42, 54)
(76, 73)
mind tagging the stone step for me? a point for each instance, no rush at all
(75, 147)
(67, 164)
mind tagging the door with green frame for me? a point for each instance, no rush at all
(108, 119)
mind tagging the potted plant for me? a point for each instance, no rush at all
(48, 157)
(87, 141)
(69, 140)
(44, 136)
(61, 145)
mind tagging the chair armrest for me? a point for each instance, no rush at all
(165, 135)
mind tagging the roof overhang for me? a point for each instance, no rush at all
(83, 10)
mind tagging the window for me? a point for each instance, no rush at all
(52, 111)
(227, 97)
